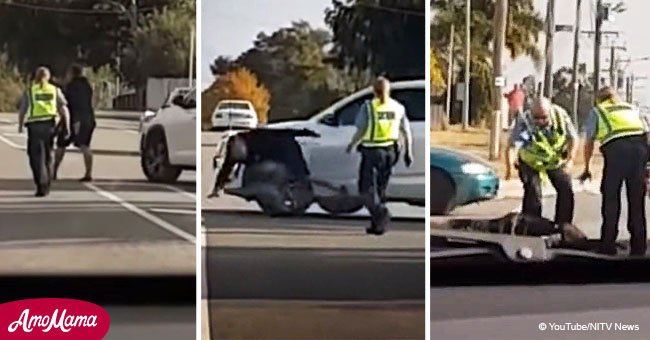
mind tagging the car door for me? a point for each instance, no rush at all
(409, 183)
(327, 158)
(181, 131)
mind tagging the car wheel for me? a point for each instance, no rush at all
(155, 159)
(443, 193)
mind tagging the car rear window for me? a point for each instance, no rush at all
(234, 106)
(414, 100)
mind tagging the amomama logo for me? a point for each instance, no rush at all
(50, 318)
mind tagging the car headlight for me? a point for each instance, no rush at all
(474, 168)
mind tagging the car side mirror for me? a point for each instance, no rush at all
(329, 120)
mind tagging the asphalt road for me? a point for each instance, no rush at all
(311, 277)
(120, 223)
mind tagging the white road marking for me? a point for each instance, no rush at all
(52, 241)
(173, 211)
(21, 135)
(180, 191)
(151, 218)
(11, 144)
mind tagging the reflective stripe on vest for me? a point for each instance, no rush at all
(544, 153)
(42, 102)
(617, 119)
(383, 123)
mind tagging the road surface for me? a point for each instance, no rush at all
(119, 223)
(312, 277)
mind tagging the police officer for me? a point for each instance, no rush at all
(79, 95)
(38, 109)
(379, 125)
(542, 146)
(621, 132)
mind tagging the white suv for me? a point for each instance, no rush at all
(327, 161)
(168, 139)
(231, 114)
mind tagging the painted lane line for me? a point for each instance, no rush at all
(180, 191)
(173, 211)
(11, 144)
(149, 217)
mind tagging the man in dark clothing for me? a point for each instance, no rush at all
(82, 117)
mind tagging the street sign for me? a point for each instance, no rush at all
(563, 28)
(500, 81)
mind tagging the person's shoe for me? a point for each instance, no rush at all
(86, 179)
(54, 176)
(40, 192)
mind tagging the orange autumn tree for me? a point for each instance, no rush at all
(241, 84)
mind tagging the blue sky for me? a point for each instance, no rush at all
(632, 24)
(229, 27)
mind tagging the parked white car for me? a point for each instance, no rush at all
(168, 138)
(234, 114)
(327, 161)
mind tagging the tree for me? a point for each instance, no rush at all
(385, 36)
(161, 45)
(437, 80)
(294, 65)
(11, 87)
(523, 27)
(56, 33)
(239, 83)
(562, 90)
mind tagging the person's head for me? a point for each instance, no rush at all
(606, 93)
(42, 75)
(381, 88)
(75, 71)
(540, 111)
(517, 87)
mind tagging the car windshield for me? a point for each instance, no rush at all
(233, 106)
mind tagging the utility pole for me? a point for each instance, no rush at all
(191, 59)
(597, 43)
(576, 53)
(550, 32)
(468, 13)
(500, 13)
(450, 72)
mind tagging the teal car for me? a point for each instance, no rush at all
(459, 179)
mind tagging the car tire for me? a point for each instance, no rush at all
(154, 159)
(443, 193)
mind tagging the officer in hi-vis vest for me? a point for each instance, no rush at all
(542, 146)
(379, 125)
(38, 109)
(621, 131)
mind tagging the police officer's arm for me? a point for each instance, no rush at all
(361, 122)
(62, 109)
(405, 129)
(572, 137)
(590, 128)
(23, 106)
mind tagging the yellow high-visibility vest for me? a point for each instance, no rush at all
(616, 120)
(384, 121)
(42, 102)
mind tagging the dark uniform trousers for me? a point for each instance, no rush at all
(532, 202)
(374, 173)
(625, 160)
(40, 142)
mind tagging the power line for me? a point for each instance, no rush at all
(391, 9)
(63, 10)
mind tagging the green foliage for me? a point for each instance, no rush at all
(437, 79)
(103, 81)
(385, 36)
(563, 90)
(11, 86)
(523, 27)
(161, 45)
(293, 64)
